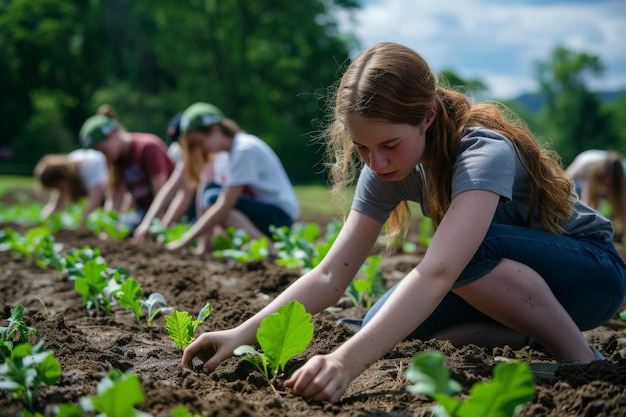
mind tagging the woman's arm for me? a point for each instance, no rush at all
(95, 198)
(164, 196)
(457, 238)
(217, 214)
(56, 202)
(316, 290)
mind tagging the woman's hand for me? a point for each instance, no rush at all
(175, 245)
(142, 232)
(322, 378)
(212, 348)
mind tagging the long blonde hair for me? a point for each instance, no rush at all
(194, 158)
(393, 83)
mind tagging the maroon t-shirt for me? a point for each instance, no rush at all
(147, 158)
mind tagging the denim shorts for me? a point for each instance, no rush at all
(261, 214)
(587, 275)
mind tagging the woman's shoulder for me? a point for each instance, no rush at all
(480, 138)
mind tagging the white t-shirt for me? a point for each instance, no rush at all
(253, 163)
(92, 166)
(175, 152)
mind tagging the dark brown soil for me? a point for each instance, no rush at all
(88, 347)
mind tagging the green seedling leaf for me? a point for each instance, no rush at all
(510, 389)
(622, 315)
(426, 231)
(177, 325)
(91, 285)
(16, 327)
(281, 336)
(117, 396)
(182, 411)
(153, 305)
(286, 334)
(181, 329)
(361, 291)
(129, 296)
(430, 375)
(26, 369)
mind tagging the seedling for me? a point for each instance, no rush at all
(622, 315)
(168, 234)
(511, 388)
(182, 411)
(281, 336)
(117, 394)
(76, 259)
(26, 369)
(16, 327)
(361, 291)
(91, 286)
(181, 329)
(237, 244)
(426, 231)
(129, 295)
(103, 222)
(296, 246)
(153, 305)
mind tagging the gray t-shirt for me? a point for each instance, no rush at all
(486, 161)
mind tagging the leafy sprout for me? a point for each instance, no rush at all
(281, 336)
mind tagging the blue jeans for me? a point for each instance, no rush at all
(587, 276)
(261, 214)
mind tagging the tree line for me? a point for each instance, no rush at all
(267, 65)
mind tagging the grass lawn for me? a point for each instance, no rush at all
(314, 199)
(8, 182)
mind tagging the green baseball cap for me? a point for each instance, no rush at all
(200, 115)
(96, 129)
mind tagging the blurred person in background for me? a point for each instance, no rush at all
(71, 177)
(599, 177)
(138, 164)
(256, 192)
(177, 199)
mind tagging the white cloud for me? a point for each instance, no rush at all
(500, 42)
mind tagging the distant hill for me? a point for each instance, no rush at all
(534, 102)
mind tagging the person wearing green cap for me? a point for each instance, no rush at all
(256, 191)
(177, 200)
(138, 163)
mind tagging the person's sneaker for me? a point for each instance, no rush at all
(352, 324)
(596, 353)
(548, 369)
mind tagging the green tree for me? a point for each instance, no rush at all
(266, 64)
(574, 115)
(471, 86)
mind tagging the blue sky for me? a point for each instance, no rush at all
(499, 42)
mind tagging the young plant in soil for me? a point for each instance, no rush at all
(26, 369)
(511, 388)
(16, 329)
(237, 244)
(362, 291)
(129, 295)
(117, 394)
(181, 328)
(281, 336)
(93, 284)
